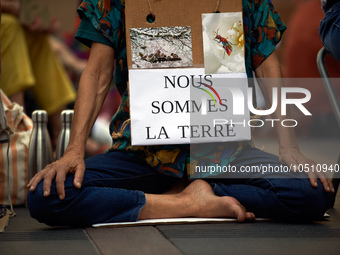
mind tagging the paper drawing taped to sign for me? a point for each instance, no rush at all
(223, 43)
(161, 47)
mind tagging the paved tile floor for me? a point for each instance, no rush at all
(24, 235)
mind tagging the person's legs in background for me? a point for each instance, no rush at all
(53, 90)
(330, 31)
(17, 74)
(29, 63)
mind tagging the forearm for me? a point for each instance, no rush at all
(289, 152)
(270, 76)
(93, 87)
(87, 107)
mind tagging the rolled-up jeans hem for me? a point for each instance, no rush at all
(139, 207)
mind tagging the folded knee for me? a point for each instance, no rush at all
(40, 207)
(304, 202)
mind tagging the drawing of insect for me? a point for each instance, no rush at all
(227, 46)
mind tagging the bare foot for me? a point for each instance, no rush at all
(196, 200)
(206, 204)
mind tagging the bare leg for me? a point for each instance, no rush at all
(196, 200)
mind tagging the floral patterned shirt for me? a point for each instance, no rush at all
(263, 28)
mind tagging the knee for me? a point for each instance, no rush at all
(303, 202)
(41, 208)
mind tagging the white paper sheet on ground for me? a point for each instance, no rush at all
(169, 221)
(174, 221)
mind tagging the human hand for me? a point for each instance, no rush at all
(294, 158)
(71, 162)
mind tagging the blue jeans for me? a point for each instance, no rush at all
(115, 184)
(330, 31)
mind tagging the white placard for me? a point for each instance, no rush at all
(185, 106)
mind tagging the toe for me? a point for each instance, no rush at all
(250, 216)
(240, 213)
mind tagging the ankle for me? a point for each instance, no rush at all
(188, 208)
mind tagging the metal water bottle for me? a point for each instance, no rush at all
(40, 148)
(65, 133)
